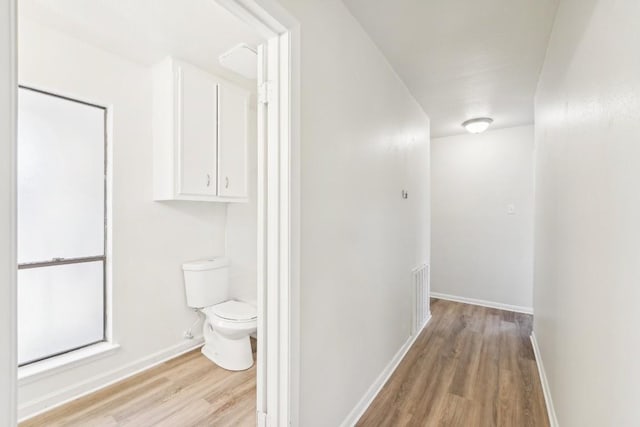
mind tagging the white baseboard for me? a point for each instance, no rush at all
(553, 419)
(483, 303)
(64, 395)
(382, 379)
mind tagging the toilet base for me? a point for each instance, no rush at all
(230, 354)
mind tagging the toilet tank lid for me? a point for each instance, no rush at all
(206, 264)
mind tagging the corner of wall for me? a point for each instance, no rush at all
(363, 404)
(546, 390)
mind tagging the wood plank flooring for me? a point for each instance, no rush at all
(471, 366)
(187, 391)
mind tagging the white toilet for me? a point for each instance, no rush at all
(228, 323)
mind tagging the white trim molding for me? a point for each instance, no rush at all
(58, 364)
(373, 390)
(483, 303)
(74, 391)
(8, 264)
(551, 412)
(278, 209)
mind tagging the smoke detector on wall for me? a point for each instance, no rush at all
(242, 59)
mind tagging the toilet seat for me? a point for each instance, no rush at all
(232, 311)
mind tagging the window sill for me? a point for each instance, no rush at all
(39, 370)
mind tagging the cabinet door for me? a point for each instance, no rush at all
(232, 142)
(197, 132)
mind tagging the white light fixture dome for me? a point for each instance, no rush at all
(477, 125)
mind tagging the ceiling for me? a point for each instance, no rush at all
(463, 58)
(145, 31)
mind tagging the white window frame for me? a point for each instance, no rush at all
(65, 356)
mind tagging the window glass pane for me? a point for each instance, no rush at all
(59, 308)
(61, 147)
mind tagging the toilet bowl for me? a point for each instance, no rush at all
(228, 323)
(226, 332)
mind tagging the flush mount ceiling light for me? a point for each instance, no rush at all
(477, 125)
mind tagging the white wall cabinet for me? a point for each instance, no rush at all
(232, 131)
(200, 135)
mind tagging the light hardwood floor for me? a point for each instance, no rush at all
(471, 366)
(187, 391)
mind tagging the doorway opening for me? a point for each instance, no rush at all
(98, 64)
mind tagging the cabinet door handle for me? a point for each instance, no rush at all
(226, 182)
(208, 180)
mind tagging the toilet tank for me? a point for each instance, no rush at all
(206, 282)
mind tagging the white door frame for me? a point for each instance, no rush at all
(278, 216)
(278, 209)
(8, 266)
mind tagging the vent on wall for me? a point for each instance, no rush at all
(421, 291)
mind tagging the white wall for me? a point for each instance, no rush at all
(7, 216)
(364, 139)
(587, 245)
(479, 251)
(150, 239)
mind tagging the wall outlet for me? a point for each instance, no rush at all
(511, 209)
